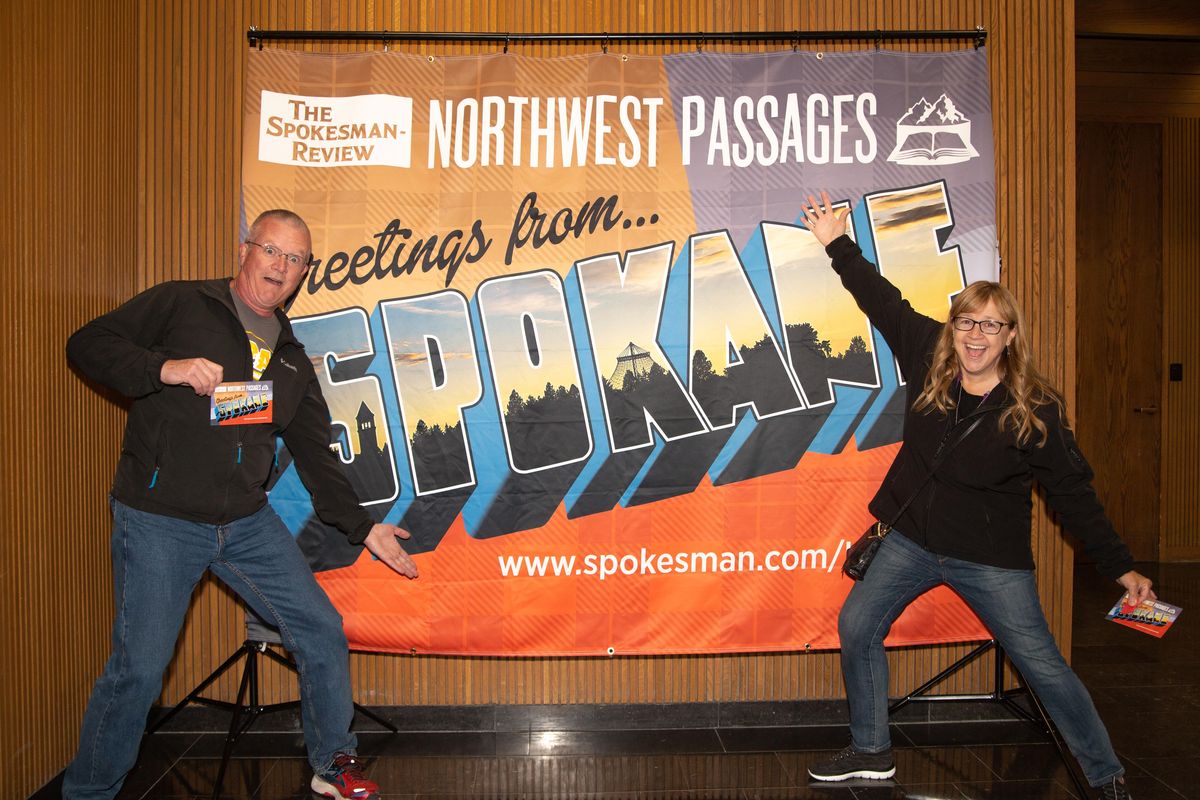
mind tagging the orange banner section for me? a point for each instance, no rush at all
(784, 595)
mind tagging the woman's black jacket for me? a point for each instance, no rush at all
(978, 506)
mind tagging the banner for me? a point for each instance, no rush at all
(574, 338)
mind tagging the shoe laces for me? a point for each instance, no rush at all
(1115, 790)
(347, 765)
(847, 752)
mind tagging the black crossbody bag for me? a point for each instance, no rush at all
(862, 552)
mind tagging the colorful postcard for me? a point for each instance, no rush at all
(1150, 616)
(241, 403)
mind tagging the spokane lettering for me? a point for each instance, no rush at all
(241, 406)
(465, 378)
(772, 130)
(394, 255)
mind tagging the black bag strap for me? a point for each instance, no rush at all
(938, 458)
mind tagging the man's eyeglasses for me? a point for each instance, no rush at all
(272, 251)
(989, 326)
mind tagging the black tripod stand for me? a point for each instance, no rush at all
(247, 707)
(999, 694)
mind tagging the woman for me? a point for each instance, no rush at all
(970, 525)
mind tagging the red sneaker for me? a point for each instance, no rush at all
(344, 780)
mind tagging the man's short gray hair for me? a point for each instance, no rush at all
(281, 215)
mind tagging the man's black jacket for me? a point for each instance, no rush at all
(173, 461)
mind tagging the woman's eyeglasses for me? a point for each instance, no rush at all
(989, 326)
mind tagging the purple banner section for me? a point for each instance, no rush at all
(758, 131)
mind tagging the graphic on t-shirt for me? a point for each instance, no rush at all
(260, 354)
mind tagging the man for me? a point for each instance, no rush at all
(188, 497)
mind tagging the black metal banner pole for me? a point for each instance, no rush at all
(978, 36)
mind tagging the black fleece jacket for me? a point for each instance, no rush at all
(173, 462)
(978, 506)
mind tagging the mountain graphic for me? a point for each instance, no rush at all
(920, 112)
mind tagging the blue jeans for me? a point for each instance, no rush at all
(1007, 602)
(157, 562)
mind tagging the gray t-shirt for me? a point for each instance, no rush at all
(262, 332)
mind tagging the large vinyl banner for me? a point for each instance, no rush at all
(574, 338)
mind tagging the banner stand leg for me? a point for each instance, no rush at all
(247, 707)
(998, 694)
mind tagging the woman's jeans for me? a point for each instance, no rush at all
(157, 561)
(1007, 602)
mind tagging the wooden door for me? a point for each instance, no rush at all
(1119, 323)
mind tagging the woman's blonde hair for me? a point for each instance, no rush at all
(1027, 388)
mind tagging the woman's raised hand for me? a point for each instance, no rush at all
(822, 220)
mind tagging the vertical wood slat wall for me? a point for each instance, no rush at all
(180, 182)
(1181, 342)
(66, 151)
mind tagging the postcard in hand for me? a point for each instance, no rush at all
(1150, 616)
(241, 403)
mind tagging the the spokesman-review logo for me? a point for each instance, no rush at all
(364, 130)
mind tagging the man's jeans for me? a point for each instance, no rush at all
(1007, 602)
(157, 562)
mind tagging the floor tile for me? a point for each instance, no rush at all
(803, 737)
(287, 780)
(624, 742)
(1017, 790)
(155, 757)
(578, 775)
(1180, 775)
(736, 771)
(1120, 702)
(424, 775)
(430, 743)
(244, 778)
(817, 791)
(1156, 735)
(939, 765)
(968, 733)
(889, 790)
(1024, 762)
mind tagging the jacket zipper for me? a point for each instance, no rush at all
(248, 372)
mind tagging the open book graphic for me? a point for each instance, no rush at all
(933, 133)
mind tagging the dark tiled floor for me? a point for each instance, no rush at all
(1147, 691)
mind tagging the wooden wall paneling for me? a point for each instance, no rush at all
(1148, 78)
(1119, 224)
(67, 202)
(1158, 80)
(1032, 73)
(1165, 17)
(1181, 343)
